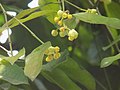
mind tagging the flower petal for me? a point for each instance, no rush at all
(4, 35)
(33, 4)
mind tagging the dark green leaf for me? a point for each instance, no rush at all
(58, 77)
(72, 69)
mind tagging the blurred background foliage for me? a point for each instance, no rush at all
(86, 51)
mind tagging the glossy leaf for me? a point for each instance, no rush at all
(109, 60)
(33, 62)
(59, 77)
(12, 73)
(72, 69)
(97, 19)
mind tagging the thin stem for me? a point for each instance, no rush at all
(107, 79)
(101, 84)
(75, 6)
(9, 39)
(91, 3)
(60, 4)
(63, 5)
(29, 30)
(4, 48)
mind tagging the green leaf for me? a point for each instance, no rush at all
(1, 19)
(13, 22)
(105, 1)
(109, 60)
(72, 23)
(22, 14)
(59, 77)
(97, 19)
(49, 5)
(112, 10)
(72, 69)
(33, 62)
(32, 16)
(26, 12)
(12, 73)
(13, 59)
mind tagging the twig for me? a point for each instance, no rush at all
(4, 48)
(9, 39)
(75, 6)
(28, 30)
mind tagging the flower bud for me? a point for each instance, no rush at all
(54, 33)
(57, 49)
(64, 15)
(56, 19)
(93, 11)
(51, 50)
(69, 16)
(62, 34)
(49, 58)
(60, 23)
(62, 29)
(57, 55)
(73, 34)
(59, 13)
(71, 38)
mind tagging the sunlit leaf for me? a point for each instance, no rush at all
(109, 60)
(12, 73)
(33, 62)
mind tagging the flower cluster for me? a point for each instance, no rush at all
(93, 11)
(62, 29)
(52, 53)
